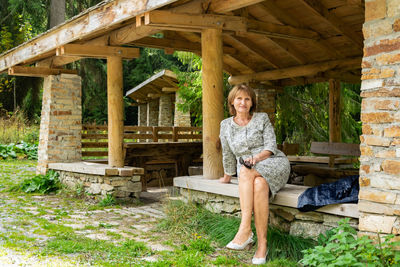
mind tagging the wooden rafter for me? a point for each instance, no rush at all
(37, 71)
(97, 51)
(193, 21)
(176, 44)
(87, 24)
(223, 6)
(298, 71)
(316, 7)
(169, 89)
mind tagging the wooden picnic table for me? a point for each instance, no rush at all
(179, 153)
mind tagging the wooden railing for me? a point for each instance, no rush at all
(95, 137)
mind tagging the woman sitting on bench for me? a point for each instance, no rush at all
(249, 149)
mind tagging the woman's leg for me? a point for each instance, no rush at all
(246, 196)
(261, 213)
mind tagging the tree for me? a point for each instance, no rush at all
(57, 12)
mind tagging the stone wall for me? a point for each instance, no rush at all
(291, 220)
(380, 142)
(122, 188)
(165, 113)
(266, 102)
(181, 118)
(61, 121)
(152, 113)
(142, 115)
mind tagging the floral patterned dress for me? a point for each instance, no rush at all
(249, 140)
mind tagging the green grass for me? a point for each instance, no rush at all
(190, 219)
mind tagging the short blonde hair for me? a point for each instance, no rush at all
(233, 93)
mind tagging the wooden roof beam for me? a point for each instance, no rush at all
(222, 6)
(169, 89)
(37, 71)
(192, 21)
(176, 44)
(197, 22)
(82, 26)
(95, 51)
(318, 9)
(298, 71)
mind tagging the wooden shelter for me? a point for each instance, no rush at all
(268, 44)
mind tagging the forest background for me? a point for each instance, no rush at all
(302, 111)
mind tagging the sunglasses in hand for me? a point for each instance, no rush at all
(248, 165)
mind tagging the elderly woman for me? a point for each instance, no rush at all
(249, 149)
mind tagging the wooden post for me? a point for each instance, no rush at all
(115, 112)
(213, 102)
(334, 115)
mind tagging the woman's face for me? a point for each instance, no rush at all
(242, 102)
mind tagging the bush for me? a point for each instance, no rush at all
(43, 184)
(22, 150)
(15, 128)
(343, 248)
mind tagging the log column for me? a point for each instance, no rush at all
(334, 115)
(115, 112)
(213, 102)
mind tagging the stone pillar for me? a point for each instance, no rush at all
(181, 118)
(379, 198)
(142, 115)
(266, 102)
(61, 121)
(152, 113)
(165, 111)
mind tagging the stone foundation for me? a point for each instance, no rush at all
(121, 188)
(291, 220)
(100, 179)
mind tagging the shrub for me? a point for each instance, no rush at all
(15, 128)
(343, 248)
(43, 184)
(22, 150)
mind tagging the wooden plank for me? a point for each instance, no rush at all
(319, 159)
(287, 196)
(193, 21)
(84, 25)
(335, 149)
(37, 71)
(280, 31)
(323, 13)
(94, 144)
(95, 51)
(305, 70)
(323, 171)
(85, 167)
(223, 6)
(94, 153)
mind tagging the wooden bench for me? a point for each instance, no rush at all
(286, 197)
(336, 167)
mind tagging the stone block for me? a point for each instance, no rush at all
(377, 117)
(332, 221)
(379, 196)
(308, 229)
(388, 59)
(382, 46)
(393, 8)
(378, 208)
(375, 9)
(376, 28)
(284, 213)
(278, 222)
(376, 223)
(392, 131)
(106, 187)
(391, 166)
(386, 154)
(94, 189)
(364, 181)
(309, 216)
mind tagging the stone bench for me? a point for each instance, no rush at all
(101, 179)
(224, 198)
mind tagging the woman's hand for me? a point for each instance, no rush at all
(226, 179)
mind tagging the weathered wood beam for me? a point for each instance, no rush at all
(81, 27)
(95, 51)
(176, 44)
(280, 31)
(222, 6)
(298, 71)
(37, 71)
(154, 96)
(316, 7)
(193, 21)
